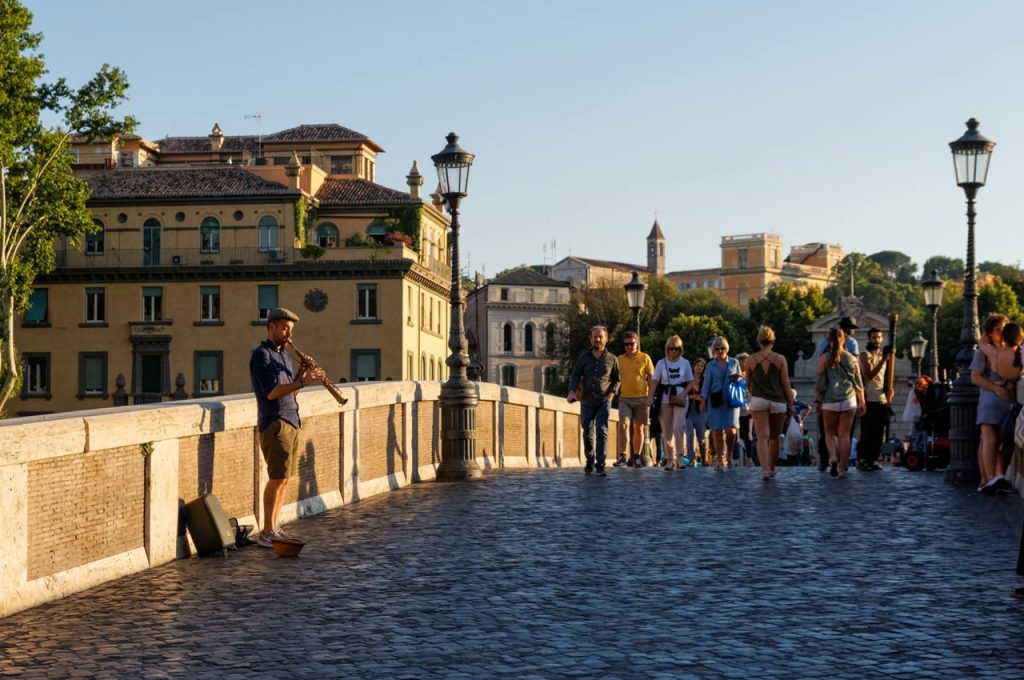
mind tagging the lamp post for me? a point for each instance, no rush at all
(917, 347)
(636, 292)
(971, 156)
(458, 395)
(933, 287)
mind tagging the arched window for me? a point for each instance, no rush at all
(508, 376)
(327, 235)
(209, 236)
(549, 338)
(268, 233)
(423, 367)
(506, 335)
(94, 241)
(432, 370)
(528, 338)
(440, 370)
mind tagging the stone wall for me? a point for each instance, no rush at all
(89, 496)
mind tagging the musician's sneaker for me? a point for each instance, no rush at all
(264, 538)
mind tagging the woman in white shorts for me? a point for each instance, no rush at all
(767, 374)
(839, 395)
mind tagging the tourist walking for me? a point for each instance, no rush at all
(594, 381)
(839, 394)
(771, 398)
(696, 419)
(849, 326)
(995, 404)
(723, 417)
(673, 376)
(275, 382)
(637, 374)
(873, 362)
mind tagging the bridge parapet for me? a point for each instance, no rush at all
(90, 496)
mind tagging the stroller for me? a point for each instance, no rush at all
(928, 448)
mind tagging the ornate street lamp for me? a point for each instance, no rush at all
(917, 347)
(458, 395)
(636, 292)
(971, 155)
(933, 287)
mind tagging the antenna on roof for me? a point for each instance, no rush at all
(259, 118)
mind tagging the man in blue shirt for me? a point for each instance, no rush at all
(275, 383)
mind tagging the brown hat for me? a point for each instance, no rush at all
(278, 313)
(848, 323)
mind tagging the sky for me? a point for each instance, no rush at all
(816, 120)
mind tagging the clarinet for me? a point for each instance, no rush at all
(309, 363)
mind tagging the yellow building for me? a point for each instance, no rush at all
(199, 236)
(753, 263)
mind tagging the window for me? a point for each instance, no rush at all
(504, 294)
(92, 374)
(423, 367)
(282, 160)
(152, 304)
(741, 256)
(209, 367)
(549, 338)
(744, 295)
(267, 300)
(432, 374)
(268, 233)
(508, 376)
(528, 338)
(37, 375)
(409, 363)
(95, 305)
(209, 236)
(377, 232)
(773, 257)
(209, 303)
(409, 319)
(506, 338)
(341, 165)
(38, 306)
(327, 235)
(125, 159)
(94, 240)
(366, 364)
(440, 370)
(366, 301)
(550, 376)
(151, 242)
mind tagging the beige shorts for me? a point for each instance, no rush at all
(280, 446)
(841, 406)
(761, 404)
(634, 409)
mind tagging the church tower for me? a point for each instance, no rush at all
(656, 251)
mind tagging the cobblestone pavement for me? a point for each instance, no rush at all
(550, 574)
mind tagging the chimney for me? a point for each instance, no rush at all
(415, 180)
(293, 171)
(437, 199)
(216, 137)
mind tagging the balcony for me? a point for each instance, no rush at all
(174, 257)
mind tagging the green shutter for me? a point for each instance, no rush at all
(268, 297)
(38, 303)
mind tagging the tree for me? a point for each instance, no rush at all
(948, 268)
(997, 297)
(40, 200)
(879, 293)
(789, 311)
(897, 266)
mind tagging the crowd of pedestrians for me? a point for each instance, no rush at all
(719, 408)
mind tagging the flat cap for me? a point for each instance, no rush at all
(848, 322)
(278, 313)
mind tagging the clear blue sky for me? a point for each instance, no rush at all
(819, 121)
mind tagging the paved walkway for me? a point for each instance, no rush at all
(550, 574)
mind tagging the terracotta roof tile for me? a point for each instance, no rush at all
(342, 192)
(326, 132)
(527, 277)
(182, 182)
(202, 144)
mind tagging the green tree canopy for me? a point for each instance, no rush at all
(897, 266)
(997, 297)
(789, 311)
(41, 200)
(947, 267)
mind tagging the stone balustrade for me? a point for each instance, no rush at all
(89, 496)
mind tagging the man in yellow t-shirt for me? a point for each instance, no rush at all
(637, 374)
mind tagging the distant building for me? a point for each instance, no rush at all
(511, 326)
(586, 272)
(198, 237)
(753, 263)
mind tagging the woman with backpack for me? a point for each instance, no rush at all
(839, 394)
(723, 416)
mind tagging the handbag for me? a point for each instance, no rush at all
(717, 399)
(737, 391)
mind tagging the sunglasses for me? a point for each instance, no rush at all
(718, 349)
(628, 344)
(675, 349)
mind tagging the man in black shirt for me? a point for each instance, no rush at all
(594, 382)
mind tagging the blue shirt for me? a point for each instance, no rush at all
(851, 346)
(269, 368)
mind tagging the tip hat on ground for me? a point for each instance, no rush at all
(281, 313)
(848, 322)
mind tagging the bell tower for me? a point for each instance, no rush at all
(656, 251)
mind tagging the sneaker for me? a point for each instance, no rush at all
(263, 539)
(1003, 485)
(621, 462)
(601, 473)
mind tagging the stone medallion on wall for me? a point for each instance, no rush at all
(316, 300)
